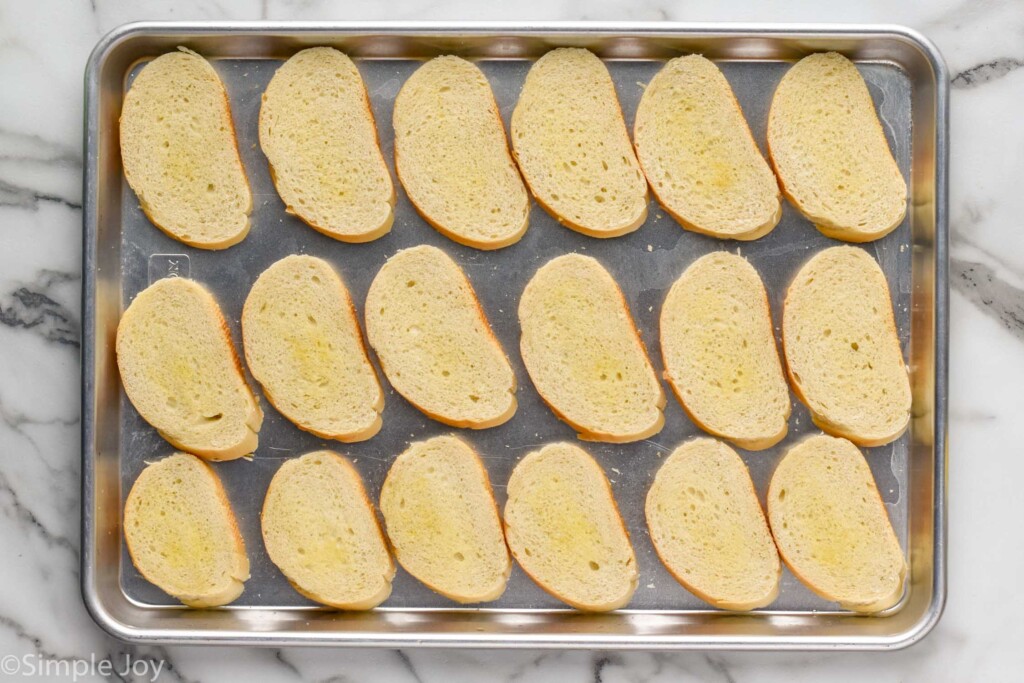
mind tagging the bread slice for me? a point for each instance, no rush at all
(842, 349)
(442, 520)
(434, 342)
(831, 526)
(571, 143)
(180, 155)
(708, 528)
(564, 529)
(452, 156)
(320, 530)
(182, 535)
(699, 156)
(830, 152)
(180, 371)
(718, 345)
(584, 355)
(303, 345)
(317, 131)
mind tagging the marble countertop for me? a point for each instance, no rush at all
(43, 48)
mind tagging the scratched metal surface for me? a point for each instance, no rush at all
(645, 263)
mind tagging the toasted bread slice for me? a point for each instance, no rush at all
(180, 155)
(182, 535)
(699, 156)
(303, 345)
(719, 350)
(320, 530)
(442, 520)
(571, 143)
(708, 528)
(830, 152)
(584, 355)
(180, 371)
(564, 529)
(452, 156)
(434, 342)
(317, 130)
(831, 526)
(842, 350)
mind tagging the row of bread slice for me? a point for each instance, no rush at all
(304, 346)
(692, 146)
(561, 524)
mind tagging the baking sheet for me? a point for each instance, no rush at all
(645, 263)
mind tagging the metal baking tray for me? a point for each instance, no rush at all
(124, 253)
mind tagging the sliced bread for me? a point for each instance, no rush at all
(182, 535)
(303, 345)
(719, 350)
(180, 371)
(318, 133)
(564, 529)
(442, 520)
(830, 152)
(842, 349)
(832, 528)
(452, 156)
(320, 530)
(699, 156)
(708, 528)
(571, 143)
(434, 342)
(583, 353)
(180, 155)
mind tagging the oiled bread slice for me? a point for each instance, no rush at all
(564, 529)
(303, 345)
(452, 156)
(180, 371)
(718, 345)
(182, 535)
(442, 520)
(830, 153)
(831, 527)
(842, 350)
(571, 143)
(318, 132)
(584, 355)
(320, 530)
(434, 342)
(708, 528)
(180, 155)
(699, 156)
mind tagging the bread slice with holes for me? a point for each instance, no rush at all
(182, 535)
(831, 526)
(180, 155)
(442, 520)
(303, 345)
(699, 156)
(317, 130)
(830, 152)
(584, 355)
(571, 143)
(180, 371)
(718, 345)
(320, 530)
(708, 528)
(564, 529)
(842, 348)
(452, 156)
(434, 342)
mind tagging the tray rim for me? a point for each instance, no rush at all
(104, 617)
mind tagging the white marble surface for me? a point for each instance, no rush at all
(43, 48)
